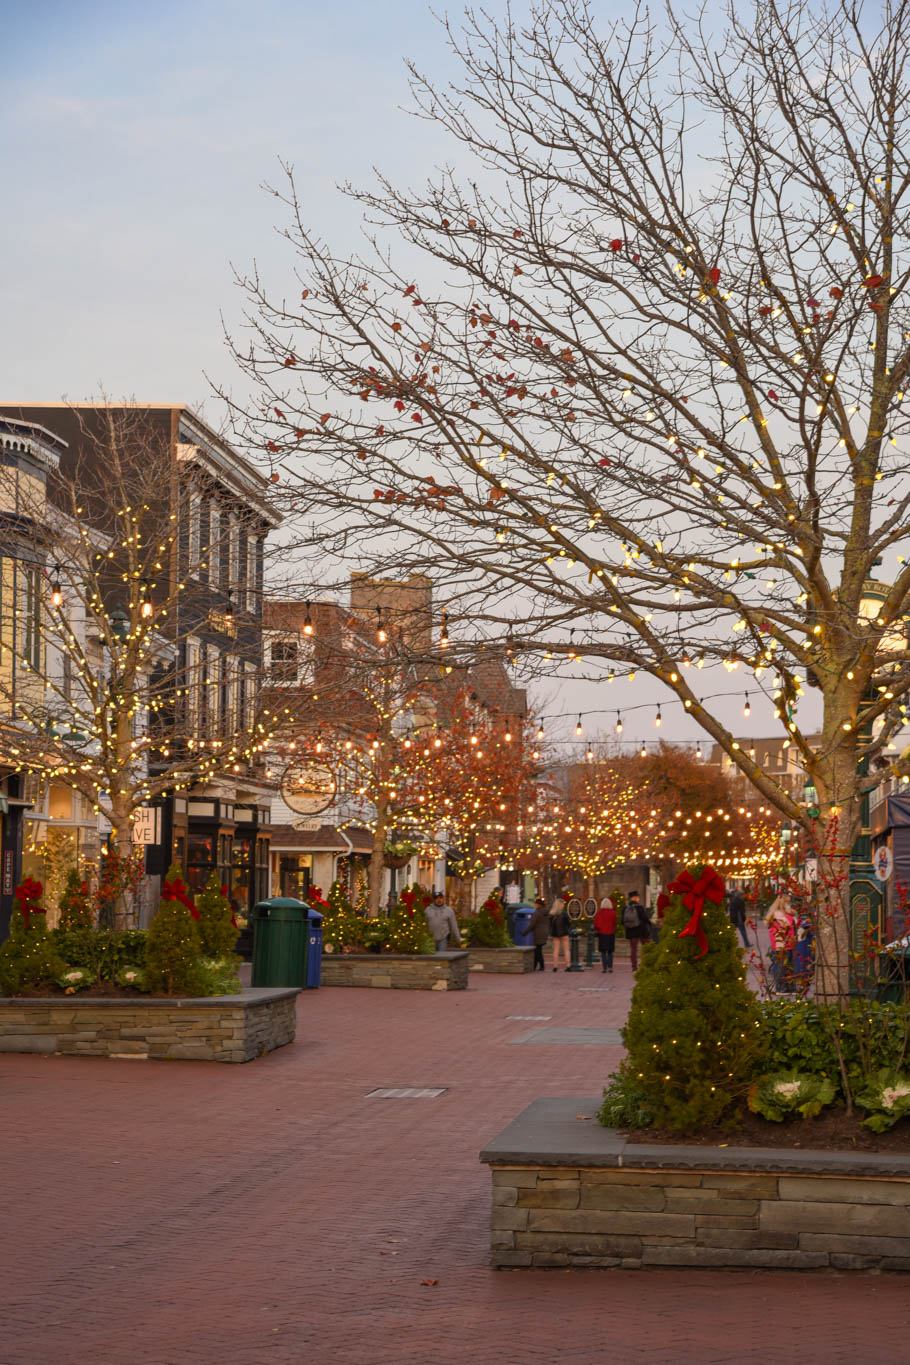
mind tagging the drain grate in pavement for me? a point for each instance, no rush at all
(529, 1016)
(572, 1037)
(407, 1093)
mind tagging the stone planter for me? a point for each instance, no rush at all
(568, 1192)
(481, 959)
(214, 1028)
(397, 971)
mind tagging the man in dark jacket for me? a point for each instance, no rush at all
(637, 925)
(736, 909)
(539, 928)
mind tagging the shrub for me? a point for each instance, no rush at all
(489, 926)
(134, 977)
(406, 929)
(864, 1036)
(173, 954)
(788, 1093)
(624, 1105)
(692, 1038)
(341, 928)
(217, 930)
(29, 957)
(75, 904)
(105, 953)
(219, 976)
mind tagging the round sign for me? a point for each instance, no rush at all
(574, 908)
(308, 788)
(883, 863)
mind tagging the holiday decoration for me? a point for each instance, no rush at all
(488, 928)
(28, 958)
(692, 1038)
(693, 894)
(174, 950)
(217, 930)
(75, 904)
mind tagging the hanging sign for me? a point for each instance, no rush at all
(883, 863)
(308, 788)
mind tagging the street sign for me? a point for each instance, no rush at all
(147, 825)
(883, 863)
(811, 869)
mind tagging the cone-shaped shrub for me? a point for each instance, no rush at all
(406, 929)
(693, 1041)
(217, 930)
(29, 956)
(489, 928)
(75, 904)
(173, 953)
(341, 928)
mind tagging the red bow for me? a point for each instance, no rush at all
(29, 890)
(177, 891)
(710, 886)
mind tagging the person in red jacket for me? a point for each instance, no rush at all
(605, 928)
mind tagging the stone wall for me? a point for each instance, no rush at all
(500, 959)
(397, 971)
(222, 1028)
(567, 1192)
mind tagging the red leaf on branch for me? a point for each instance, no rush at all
(516, 233)
(772, 395)
(763, 312)
(290, 360)
(399, 405)
(836, 293)
(325, 417)
(714, 274)
(616, 245)
(416, 417)
(604, 462)
(410, 289)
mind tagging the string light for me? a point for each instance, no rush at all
(618, 726)
(444, 634)
(381, 634)
(578, 728)
(658, 719)
(307, 621)
(747, 709)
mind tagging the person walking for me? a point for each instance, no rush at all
(559, 929)
(442, 922)
(637, 925)
(736, 909)
(781, 922)
(605, 929)
(539, 928)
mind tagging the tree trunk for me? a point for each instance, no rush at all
(121, 843)
(376, 867)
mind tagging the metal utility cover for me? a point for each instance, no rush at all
(406, 1093)
(573, 1037)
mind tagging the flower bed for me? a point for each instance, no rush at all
(567, 1192)
(397, 971)
(216, 1028)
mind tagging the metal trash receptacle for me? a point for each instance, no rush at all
(314, 949)
(523, 936)
(280, 942)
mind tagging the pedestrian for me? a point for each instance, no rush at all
(636, 924)
(605, 928)
(559, 928)
(781, 923)
(539, 928)
(736, 909)
(442, 922)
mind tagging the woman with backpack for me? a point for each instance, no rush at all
(637, 925)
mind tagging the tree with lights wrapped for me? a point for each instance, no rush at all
(692, 1037)
(118, 690)
(406, 929)
(488, 928)
(661, 407)
(217, 929)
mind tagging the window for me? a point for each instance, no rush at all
(232, 540)
(194, 537)
(30, 617)
(215, 545)
(191, 684)
(284, 661)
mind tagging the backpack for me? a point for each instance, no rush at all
(630, 913)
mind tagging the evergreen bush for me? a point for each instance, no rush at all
(406, 929)
(75, 903)
(489, 928)
(693, 1037)
(341, 928)
(29, 958)
(173, 954)
(103, 952)
(217, 930)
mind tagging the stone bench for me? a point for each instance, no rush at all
(568, 1192)
(214, 1028)
(397, 971)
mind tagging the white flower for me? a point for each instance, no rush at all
(130, 976)
(74, 976)
(892, 1093)
(330, 947)
(787, 1088)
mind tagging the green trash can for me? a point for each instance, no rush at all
(280, 941)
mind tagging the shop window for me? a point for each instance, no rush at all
(295, 875)
(200, 860)
(284, 661)
(60, 802)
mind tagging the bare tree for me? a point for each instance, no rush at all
(645, 379)
(98, 688)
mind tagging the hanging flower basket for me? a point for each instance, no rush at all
(396, 859)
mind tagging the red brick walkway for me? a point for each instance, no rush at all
(188, 1214)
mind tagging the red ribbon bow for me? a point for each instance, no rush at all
(177, 890)
(710, 886)
(29, 890)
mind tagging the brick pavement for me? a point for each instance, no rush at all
(177, 1213)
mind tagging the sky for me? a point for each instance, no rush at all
(135, 141)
